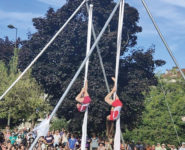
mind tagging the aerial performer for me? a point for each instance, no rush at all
(83, 99)
(115, 103)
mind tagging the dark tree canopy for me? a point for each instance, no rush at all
(6, 49)
(55, 69)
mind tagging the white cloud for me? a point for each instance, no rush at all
(55, 3)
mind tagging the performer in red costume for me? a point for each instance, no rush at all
(83, 99)
(116, 104)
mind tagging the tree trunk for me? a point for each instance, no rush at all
(9, 117)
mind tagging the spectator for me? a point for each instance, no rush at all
(72, 142)
(62, 132)
(101, 146)
(13, 138)
(158, 147)
(131, 145)
(137, 146)
(19, 140)
(65, 138)
(183, 146)
(57, 138)
(153, 147)
(30, 139)
(7, 135)
(49, 139)
(108, 145)
(141, 146)
(88, 141)
(94, 142)
(163, 147)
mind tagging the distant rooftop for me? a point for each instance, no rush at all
(173, 73)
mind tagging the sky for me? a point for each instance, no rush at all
(169, 15)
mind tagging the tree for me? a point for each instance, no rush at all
(26, 101)
(156, 124)
(6, 50)
(58, 124)
(56, 67)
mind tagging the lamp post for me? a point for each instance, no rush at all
(12, 27)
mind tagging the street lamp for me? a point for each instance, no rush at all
(12, 27)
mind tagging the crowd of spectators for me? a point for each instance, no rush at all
(54, 140)
(63, 140)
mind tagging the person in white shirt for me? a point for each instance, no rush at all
(163, 147)
(19, 140)
(94, 142)
(65, 138)
(158, 147)
(183, 146)
(57, 138)
(101, 146)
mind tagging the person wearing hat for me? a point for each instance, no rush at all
(163, 147)
(183, 146)
(158, 147)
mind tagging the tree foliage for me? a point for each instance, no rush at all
(6, 50)
(58, 124)
(26, 100)
(156, 124)
(56, 67)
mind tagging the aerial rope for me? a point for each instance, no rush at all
(162, 38)
(84, 126)
(115, 102)
(81, 66)
(119, 38)
(101, 64)
(43, 50)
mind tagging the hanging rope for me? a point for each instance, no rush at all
(84, 126)
(169, 110)
(119, 37)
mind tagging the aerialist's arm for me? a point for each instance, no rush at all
(108, 98)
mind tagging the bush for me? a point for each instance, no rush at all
(58, 124)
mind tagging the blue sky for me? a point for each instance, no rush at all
(169, 15)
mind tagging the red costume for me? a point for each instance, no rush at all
(85, 104)
(117, 104)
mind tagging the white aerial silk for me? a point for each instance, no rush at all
(84, 126)
(43, 128)
(117, 136)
